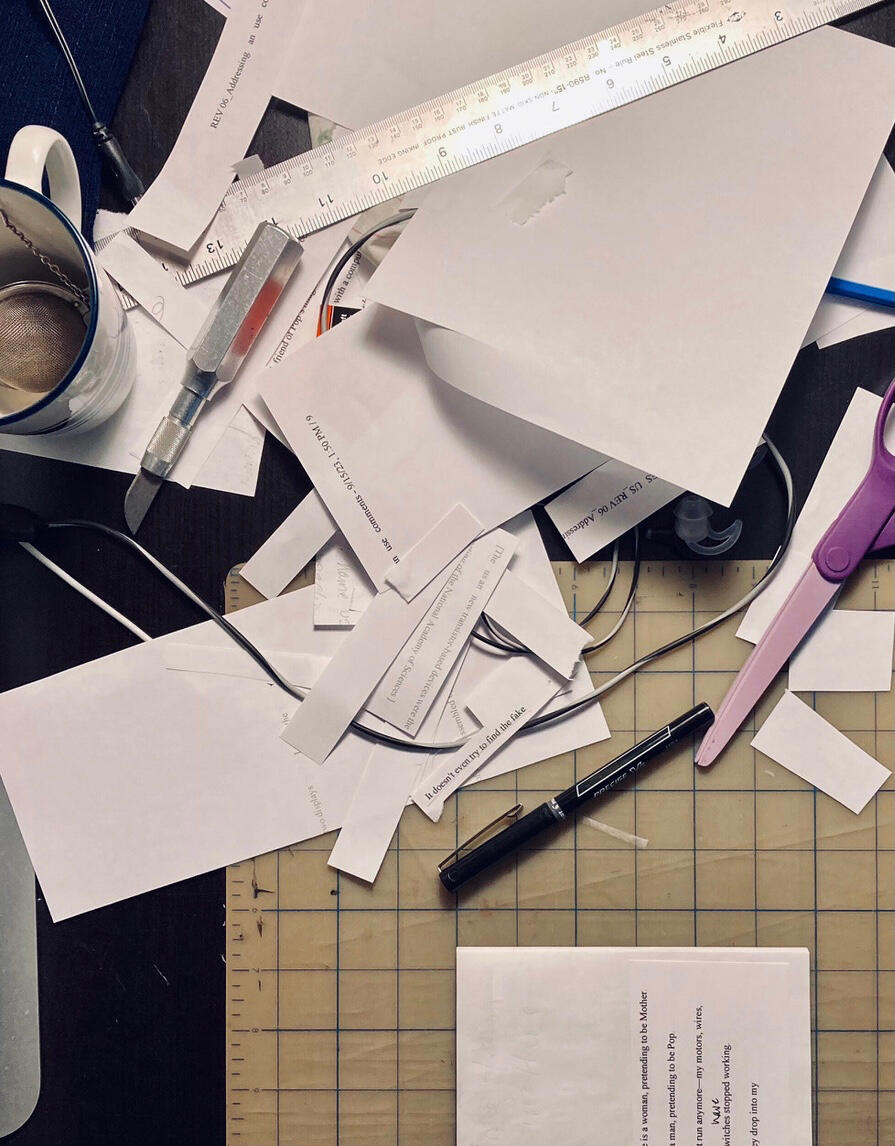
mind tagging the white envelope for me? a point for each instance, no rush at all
(391, 449)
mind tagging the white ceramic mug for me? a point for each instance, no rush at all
(102, 373)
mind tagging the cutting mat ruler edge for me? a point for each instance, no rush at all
(496, 114)
(361, 1080)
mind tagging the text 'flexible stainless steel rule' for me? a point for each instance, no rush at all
(622, 64)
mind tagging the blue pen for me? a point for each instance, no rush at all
(859, 292)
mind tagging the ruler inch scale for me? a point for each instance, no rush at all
(498, 114)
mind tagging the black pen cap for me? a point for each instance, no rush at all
(696, 720)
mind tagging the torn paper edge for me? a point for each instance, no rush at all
(290, 547)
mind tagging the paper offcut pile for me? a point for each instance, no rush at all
(557, 319)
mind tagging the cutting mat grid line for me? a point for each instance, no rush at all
(340, 1002)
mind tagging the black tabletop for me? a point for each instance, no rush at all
(132, 996)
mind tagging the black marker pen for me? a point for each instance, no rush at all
(560, 808)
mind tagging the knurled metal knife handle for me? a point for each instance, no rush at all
(173, 431)
(225, 339)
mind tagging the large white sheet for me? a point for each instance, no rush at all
(653, 310)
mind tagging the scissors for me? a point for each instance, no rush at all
(865, 525)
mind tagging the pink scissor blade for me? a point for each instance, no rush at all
(793, 621)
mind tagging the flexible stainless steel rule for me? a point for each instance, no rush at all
(622, 64)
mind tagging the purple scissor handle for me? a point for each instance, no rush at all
(865, 524)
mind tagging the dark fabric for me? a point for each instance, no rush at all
(37, 86)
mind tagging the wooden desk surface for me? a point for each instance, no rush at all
(132, 1011)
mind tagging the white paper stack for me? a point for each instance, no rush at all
(594, 1046)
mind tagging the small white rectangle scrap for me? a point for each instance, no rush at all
(158, 292)
(537, 623)
(373, 814)
(414, 679)
(515, 692)
(342, 590)
(849, 650)
(796, 737)
(434, 550)
(354, 672)
(290, 547)
(606, 503)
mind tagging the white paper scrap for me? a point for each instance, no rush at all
(251, 165)
(219, 126)
(866, 321)
(342, 590)
(354, 672)
(154, 288)
(606, 503)
(796, 737)
(536, 623)
(374, 812)
(839, 476)
(119, 442)
(651, 1045)
(278, 330)
(290, 547)
(849, 650)
(434, 550)
(235, 460)
(300, 669)
(413, 680)
(294, 321)
(371, 68)
(514, 693)
(585, 726)
(567, 734)
(567, 351)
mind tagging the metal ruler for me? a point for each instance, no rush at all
(657, 50)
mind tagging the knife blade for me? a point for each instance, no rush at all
(226, 337)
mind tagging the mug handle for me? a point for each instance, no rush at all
(36, 149)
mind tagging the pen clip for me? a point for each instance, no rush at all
(509, 814)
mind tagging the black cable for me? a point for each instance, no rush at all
(110, 150)
(701, 630)
(69, 59)
(398, 217)
(244, 643)
(626, 608)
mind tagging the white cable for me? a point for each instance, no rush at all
(733, 609)
(85, 592)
